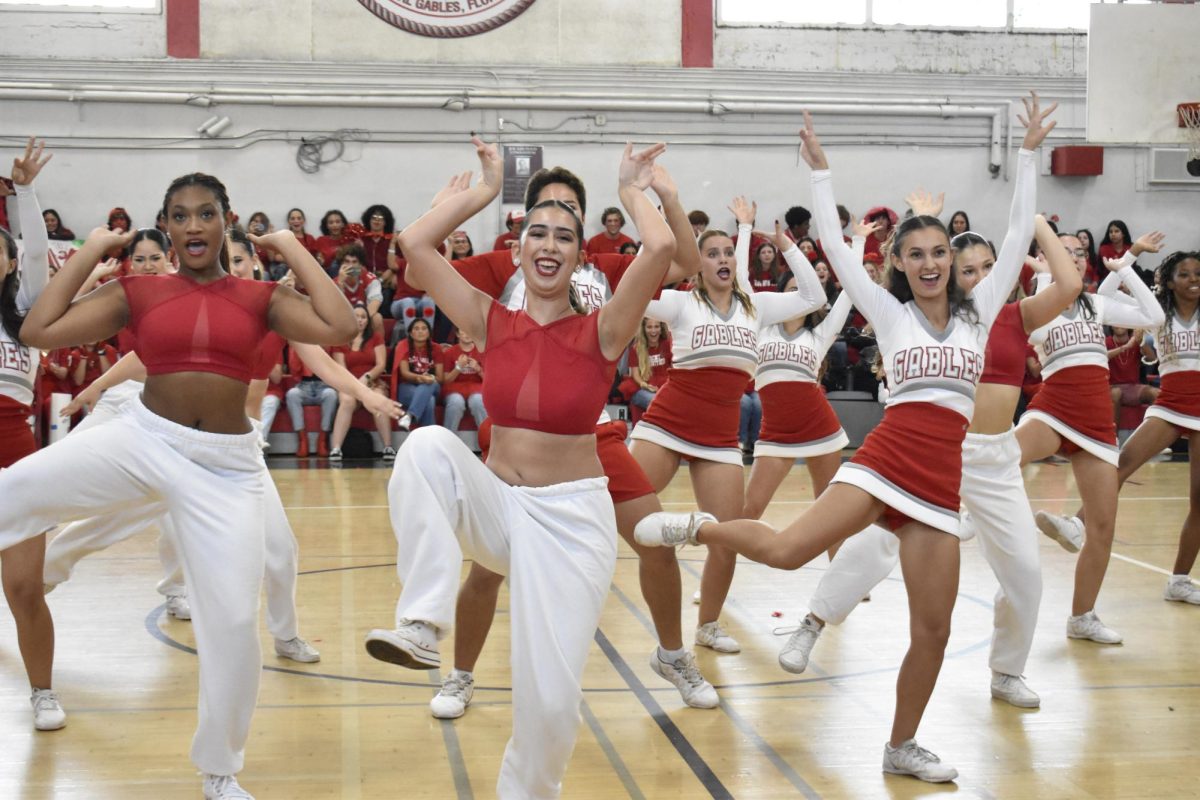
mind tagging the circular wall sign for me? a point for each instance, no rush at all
(446, 19)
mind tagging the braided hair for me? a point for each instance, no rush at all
(1164, 275)
(213, 185)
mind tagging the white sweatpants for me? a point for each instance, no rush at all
(212, 488)
(80, 539)
(558, 547)
(76, 541)
(993, 493)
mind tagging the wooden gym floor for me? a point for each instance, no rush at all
(1115, 722)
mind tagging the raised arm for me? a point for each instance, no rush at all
(35, 243)
(992, 292)
(1146, 313)
(809, 295)
(325, 316)
(419, 242)
(1056, 297)
(621, 316)
(744, 212)
(686, 262)
(1111, 285)
(834, 321)
(55, 321)
(875, 303)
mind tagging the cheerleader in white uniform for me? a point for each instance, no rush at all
(1175, 413)
(714, 330)
(906, 475)
(1072, 414)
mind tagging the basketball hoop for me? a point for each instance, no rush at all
(1189, 120)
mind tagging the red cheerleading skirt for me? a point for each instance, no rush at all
(696, 414)
(798, 421)
(912, 461)
(16, 437)
(626, 480)
(1178, 400)
(1075, 403)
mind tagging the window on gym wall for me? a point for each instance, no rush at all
(997, 14)
(81, 5)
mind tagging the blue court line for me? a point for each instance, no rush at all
(746, 728)
(675, 736)
(458, 767)
(614, 758)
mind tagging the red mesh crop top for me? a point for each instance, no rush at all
(1004, 359)
(184, 326)
(550, 378)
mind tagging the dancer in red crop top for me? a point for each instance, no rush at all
(538, 512)
(185, 441)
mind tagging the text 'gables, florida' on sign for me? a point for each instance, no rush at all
(446, 19)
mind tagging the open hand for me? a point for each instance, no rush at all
(743, 210)
(27, 167)
(925, 204)
(1034, 120)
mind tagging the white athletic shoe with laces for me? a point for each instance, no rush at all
(1089, 626)
(712, 635)
(224, 787)
(1012, 690)
(297, 650)
(178, 607)
(683, 672)
(912, 759)
(796, 651)
(451, 702)
(1067, 531)
(670, 529)
(1180, 589)
(48, 714)
(412, 644)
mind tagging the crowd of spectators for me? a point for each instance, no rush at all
(409, 350)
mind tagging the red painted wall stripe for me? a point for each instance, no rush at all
(697, 45)
(183, 28)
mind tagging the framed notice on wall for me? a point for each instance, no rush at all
(520, 161)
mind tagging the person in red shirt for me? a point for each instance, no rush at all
(379, 225)
(90, 362)
(296, 224)
(649, 360)
(408, 304)
(609, 240)
(1116, 241)
(1124, 371)
(359, 285)
(460, 245)
(513, 222)
(365, 358)
(764, 267)
(887, 219)
(417, 372)
(462, 382)
(333, 236)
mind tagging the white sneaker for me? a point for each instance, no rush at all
(711, 634)
(1067, 531)
(669, 529)
(794, 655)
(1089, 626)
(48, 714)
(297, 650)
(412, 644)
(335, 454)
(451, 702)
(389, 453)
(178, 607)
(405, 423)
(1012, 690)
(224, 787)
(683, 672)
(912, 759)
(695, 598)
(1181, 590)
